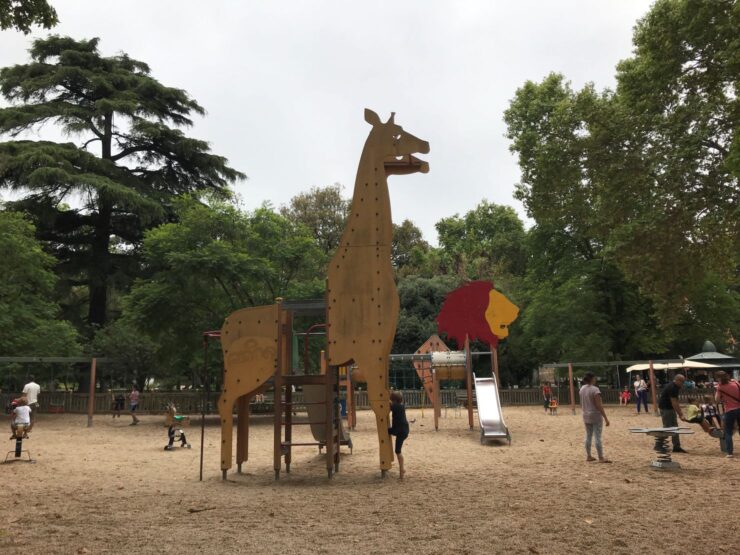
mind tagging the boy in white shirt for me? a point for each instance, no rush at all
(31, 390)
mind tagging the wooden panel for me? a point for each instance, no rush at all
(249, 343)
(424, 367)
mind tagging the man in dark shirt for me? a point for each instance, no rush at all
(670, 409)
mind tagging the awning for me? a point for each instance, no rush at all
(672, 366)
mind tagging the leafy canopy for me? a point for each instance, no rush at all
(29, 323)
(121, 174)
(647, 175)
(23, 14)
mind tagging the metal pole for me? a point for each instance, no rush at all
(469, 380)
(203, 403)
(572, 393)
(494, 364)
(619, 382)
(652, 389)
(435, 399)
(91, 396)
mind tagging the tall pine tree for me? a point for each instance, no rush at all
(129, 161)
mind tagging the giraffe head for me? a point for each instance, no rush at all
(395, 146)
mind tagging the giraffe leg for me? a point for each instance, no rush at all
(242, 431)
(225, 410)
(378, 393)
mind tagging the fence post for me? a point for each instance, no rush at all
(91, 396)
(652, 389)
(570, 384)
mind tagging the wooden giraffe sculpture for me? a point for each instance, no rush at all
(362, 301)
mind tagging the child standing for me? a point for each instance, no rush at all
(133, 399)
(399, 428)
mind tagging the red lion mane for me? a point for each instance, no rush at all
(464, 313)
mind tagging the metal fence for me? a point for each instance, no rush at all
(190, 402)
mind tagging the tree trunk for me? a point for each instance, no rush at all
(99, 265)
(100, 252)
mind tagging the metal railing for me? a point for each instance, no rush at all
(190, 402)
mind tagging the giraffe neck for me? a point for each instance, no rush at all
(369, 221)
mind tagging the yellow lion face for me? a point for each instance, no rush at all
(500, 313)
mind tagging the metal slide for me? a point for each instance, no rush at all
(490, 417)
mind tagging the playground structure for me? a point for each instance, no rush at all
(20, 432)
(475, 310)
(440, 365)
(362, 310)
(662, 435)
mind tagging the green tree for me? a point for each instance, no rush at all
(29, 315)
(143, 159)
(680, 94)
(487, 243)
(420, 300)
(408, 244)
(214, 260)
(648, 174)
(323, 211)
(578, 306)
(132, 354)
(23, 14)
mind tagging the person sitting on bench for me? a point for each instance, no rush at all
(21, 418)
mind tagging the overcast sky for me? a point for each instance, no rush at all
(285, 82)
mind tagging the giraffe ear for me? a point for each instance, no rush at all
(392, 119)
(371, 117)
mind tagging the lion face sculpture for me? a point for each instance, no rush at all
(477, 310)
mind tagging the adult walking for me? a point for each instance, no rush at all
(594, 416)
(670, 409)
(728, 393)
(31, 391)
(641, 393)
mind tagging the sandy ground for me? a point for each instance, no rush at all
(112, 489)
